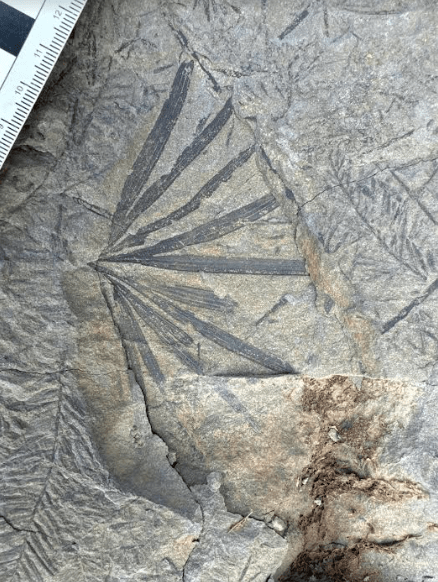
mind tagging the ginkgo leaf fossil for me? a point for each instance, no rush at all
(167, 310)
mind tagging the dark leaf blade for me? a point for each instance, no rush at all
(204, 193)
(131, 333)
(193, 296)
(197, 297)
(169, 333)
(408, 308)
(298, 19)
(154, 145)
(225, 265)
(188, 360)
(225, 339)
(190, 153)
(217, 228)
(151, 317)
(234, 344)
(231, 399)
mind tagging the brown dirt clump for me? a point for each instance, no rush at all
(330, 475)
(334, 563)
(337, 564)
(355, 412)
(341, 471)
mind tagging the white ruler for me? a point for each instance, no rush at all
(32, 36)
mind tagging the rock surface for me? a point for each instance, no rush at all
(219, 298)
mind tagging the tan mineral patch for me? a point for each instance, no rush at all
(329, 279)
(259, 458)
(183, 546)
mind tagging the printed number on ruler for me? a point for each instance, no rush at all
(32, 36)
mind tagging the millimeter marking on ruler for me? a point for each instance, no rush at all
(32, 36)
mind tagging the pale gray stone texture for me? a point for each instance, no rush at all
(219, 334)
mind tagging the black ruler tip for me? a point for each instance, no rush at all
(14, 29)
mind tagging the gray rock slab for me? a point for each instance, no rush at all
(231, 547)
(62, 516)
(218, 316)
